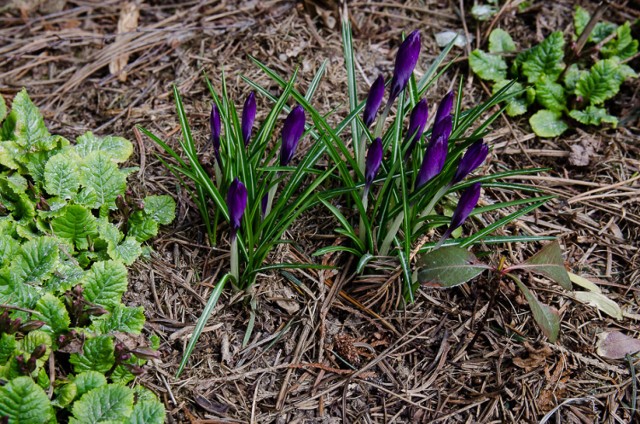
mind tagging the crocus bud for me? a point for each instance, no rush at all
(468, 201)
(417, 122)
(406, 60)
(445, 107)
(374, 159)
(264, 203)
(237, 203)
(216, 129)
(436, 154)
(376, 92)
(292, 130)
(248, 116)
(473, 158)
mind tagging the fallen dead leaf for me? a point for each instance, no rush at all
(535, 359)
(128, 22)
(615, 345)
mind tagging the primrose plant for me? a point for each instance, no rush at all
(574, 84)
(251, 183)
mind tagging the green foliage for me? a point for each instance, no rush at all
(65, 238)
(573, 89)
(452, 265)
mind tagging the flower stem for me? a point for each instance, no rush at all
(362, 144)
(365, 203)
(272, 194)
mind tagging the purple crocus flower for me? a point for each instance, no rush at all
(248, 116)
(216, 129)
(417, 122)
(406, 60)
(236, 203)
(374, 159)
(445, 107)
(292, 130)
(374, 99)
(436, 154)
(468, 200)
(264, 203)
(473, 158)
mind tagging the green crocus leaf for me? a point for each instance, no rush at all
(593, 115)
(62, 176)
(550, 95)
(601, 82)
(122, 318)
(52, 311)
(3, 109)
(105, 283)
(89, 380)
(501, 42)
(24, 402)
(545, 59)
(487, 66)
(36, 260)
(111, 403)
(74, 225)
(117, 148)
(547, 123)
(102, 176)
(160, 208)
(97, 355)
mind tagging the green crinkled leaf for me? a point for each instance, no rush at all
(121, 375)
(122, 318)
(67, 274)
(516, 105)
(117, 148)
(105, 283)
(36, 260)
(147, 412)
(97, 355)
(160, 208)
(8, 344)
(52, 311)
(580, 20)
(550, 95)
(107, 403)
(89, 380)
(26, 122)
(141, 227)
(62, 176)
(24, 402)
(545, 316)
(546, 123)
(9, 152)
(623, 46)
(449, 267)
(34, 339)
(127, 251)
(109, 232)
(3, 109)
(102, 176)
(501, 42)
(571, 78)
(600, 83)
(488, 66)
(13, 198)
(601, 31)
(545, 59)
(593, 115)
(15, 293)
(75, 224)
(8, 247)
(64, 395)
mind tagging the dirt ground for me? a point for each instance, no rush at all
(412, 364)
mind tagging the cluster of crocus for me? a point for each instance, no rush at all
(437, 150)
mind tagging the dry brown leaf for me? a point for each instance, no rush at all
(128, 22)
(615, 345)
(536, 358)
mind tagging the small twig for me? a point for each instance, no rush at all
(584, 36)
